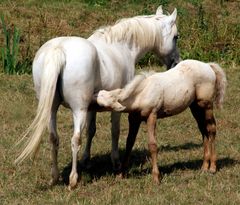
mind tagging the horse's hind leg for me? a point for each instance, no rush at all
(203, 113)
(79, 118)
(134, 120)
(54, 140)
(91, 130)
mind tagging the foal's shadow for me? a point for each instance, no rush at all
(101, 164)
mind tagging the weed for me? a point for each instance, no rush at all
(9, 53)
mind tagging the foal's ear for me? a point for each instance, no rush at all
(173, 17)
(159, 10)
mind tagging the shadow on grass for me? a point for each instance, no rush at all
(186, 146)
(101, 164)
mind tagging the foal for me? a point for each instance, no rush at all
(151, 96)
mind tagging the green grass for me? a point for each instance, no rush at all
(179, 141)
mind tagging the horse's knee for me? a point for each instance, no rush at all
(76, 142)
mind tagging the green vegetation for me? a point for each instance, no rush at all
(209, 31)
(9, 53)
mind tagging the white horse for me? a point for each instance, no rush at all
(68, 70)
(147, 97)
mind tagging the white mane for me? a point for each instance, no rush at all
(140, 30)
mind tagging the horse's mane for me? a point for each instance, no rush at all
(139, 30)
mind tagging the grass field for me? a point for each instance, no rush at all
(209, 31)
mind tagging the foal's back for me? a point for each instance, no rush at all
(173, 91)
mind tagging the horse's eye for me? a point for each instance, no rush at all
(176, 37)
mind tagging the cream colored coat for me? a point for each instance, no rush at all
(168, 93)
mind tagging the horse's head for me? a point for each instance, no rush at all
(166, 46)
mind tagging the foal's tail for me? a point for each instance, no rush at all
(53, 63)
(221, 83)
(130, 88)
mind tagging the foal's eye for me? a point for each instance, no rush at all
(176, 37)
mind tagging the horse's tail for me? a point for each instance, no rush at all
(221, 83)
(53, 63)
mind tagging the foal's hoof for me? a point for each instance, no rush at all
(212, 170)
(156, 179)
(204, 168)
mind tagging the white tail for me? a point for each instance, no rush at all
(221, 83)
(54, 62)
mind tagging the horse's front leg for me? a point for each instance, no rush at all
(79, 118)
(134, 120)
(115, 129)
(91, 130)
(152, 145)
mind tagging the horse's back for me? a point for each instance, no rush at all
(79, 72)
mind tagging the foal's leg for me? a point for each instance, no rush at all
(115, 129)
(79, 117)
(134, 120)
(152, 144)
(203, 113)
(210, 124)
(91, 130)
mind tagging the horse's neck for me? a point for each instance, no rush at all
(116, 64)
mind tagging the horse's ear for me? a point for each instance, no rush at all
(159, 10)
(173, 17)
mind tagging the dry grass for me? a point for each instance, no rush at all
(180, 145)
(180, 157)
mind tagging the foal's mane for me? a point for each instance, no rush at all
(140, 30)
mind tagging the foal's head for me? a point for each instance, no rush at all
(166, 46)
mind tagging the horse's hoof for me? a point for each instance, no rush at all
(86, 163)
(72, 181)
(117, 167)
(53, 182)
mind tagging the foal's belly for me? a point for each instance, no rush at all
(176, 102)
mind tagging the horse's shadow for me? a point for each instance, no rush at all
(101, 164)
